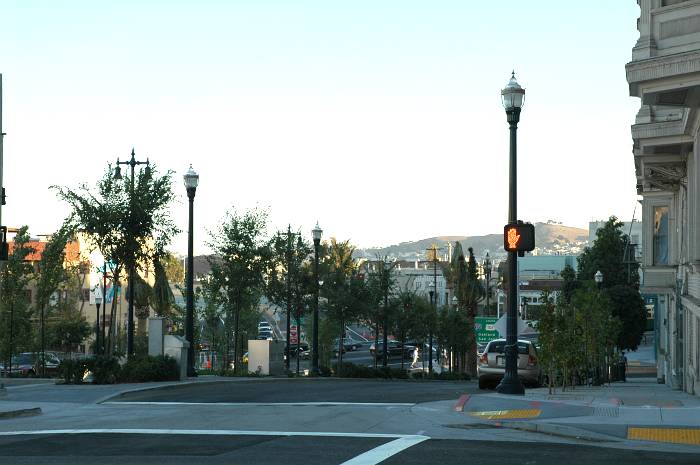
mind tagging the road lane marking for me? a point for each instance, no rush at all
(672, 435)
(209, 432)
(268, 404)
(507, 414)
(383, 452)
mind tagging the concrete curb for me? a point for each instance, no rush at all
(172, 385)
(24, 412)
(555, 430)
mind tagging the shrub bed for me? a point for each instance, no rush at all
(107, 370)
(144, 369)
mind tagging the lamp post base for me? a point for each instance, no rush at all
(510, 385)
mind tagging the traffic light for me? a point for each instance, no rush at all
(519, 237)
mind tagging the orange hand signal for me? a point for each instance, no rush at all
(513, 238)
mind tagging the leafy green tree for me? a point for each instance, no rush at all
(344, 289)
(68, 331)
(52, 273)
(380, 283)
(290, 281)
(163, 299)
(610, 255)
(15, 312)
(570, 284)
(129, 227)
(242, 257)
(628, 308)
(173, 267)
(465, 282)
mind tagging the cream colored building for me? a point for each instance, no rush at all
(90, 265)
(665, 74)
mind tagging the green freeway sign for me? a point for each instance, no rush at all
(484, 328)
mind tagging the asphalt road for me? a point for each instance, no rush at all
(126, 449)
(307, 390)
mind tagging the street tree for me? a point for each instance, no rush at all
(344, 289)
(611, 254)
(380, 282)
(237, 272)
(466, 287)
(53, 272)
(15, 312)
(289, 277)
(129, 227)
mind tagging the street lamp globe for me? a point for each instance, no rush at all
(317, 232)
(513, 96)
(117, 171)
(191, 179)
(598, 277)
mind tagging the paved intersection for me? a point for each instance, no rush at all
(317, 421)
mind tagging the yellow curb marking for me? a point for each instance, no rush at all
(507, 414)
(674, 435)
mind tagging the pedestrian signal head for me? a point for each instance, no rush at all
(519, 237)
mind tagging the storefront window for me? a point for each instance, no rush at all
(660, 235)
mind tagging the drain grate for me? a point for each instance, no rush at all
(606, 412)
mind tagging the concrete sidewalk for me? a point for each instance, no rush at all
(639, 409)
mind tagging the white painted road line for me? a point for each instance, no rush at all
(212, 432)
(383, 452)
(267, 404)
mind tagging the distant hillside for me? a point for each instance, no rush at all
(549, 238)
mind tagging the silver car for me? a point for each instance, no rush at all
(491, 365)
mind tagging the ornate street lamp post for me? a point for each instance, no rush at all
(487, 277)
(98, 303)
(191, 181)
(317, 233)
(512, 96)
(433, 297)
(132, 268)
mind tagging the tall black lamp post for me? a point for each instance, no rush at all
(487, 277)
(433, 296)
(317, 233)
(512, 96)
(98, 303)
(132, 163)
(191, 181)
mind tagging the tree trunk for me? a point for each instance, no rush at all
(236, 338)
(376, 342)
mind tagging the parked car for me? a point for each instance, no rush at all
(394, 349)
(264, 325)
(348, 344)
(492, 363)
(29, 364)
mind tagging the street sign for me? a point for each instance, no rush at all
(485, 329)
(293, 334)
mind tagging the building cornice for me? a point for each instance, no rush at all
(662, 67)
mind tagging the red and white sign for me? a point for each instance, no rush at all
(293, 334)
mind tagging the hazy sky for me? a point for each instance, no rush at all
(380, 119)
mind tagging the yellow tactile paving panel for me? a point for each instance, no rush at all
(507, 414)
(674, 435)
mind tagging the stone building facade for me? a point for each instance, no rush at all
(665, 74)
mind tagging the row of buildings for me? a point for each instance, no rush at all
(664, 74)
(94, 296)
